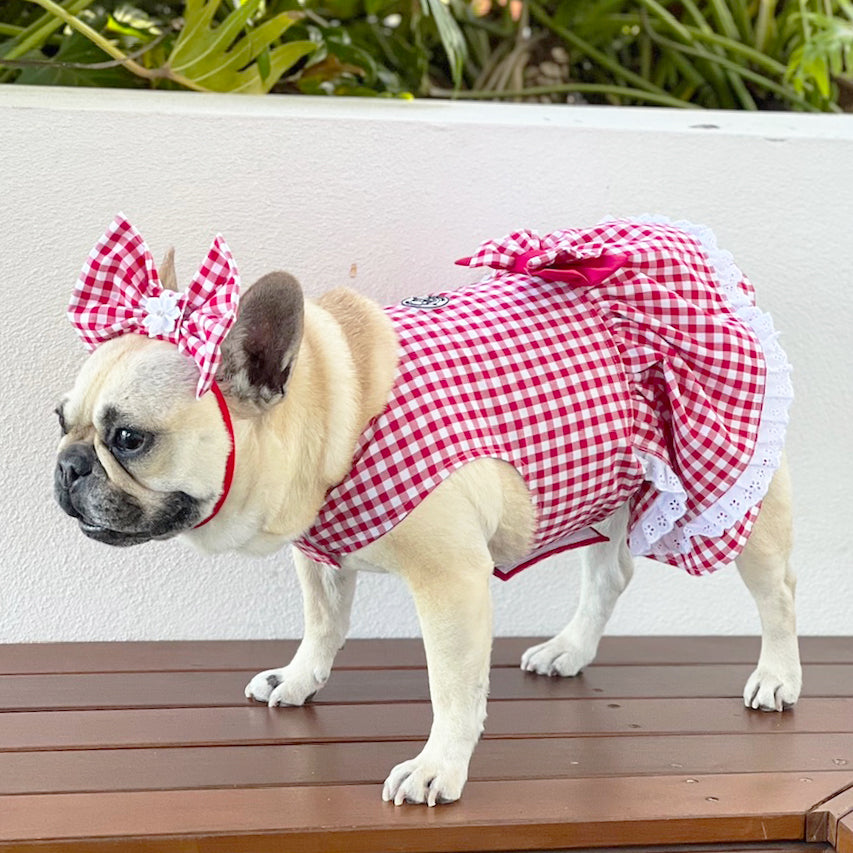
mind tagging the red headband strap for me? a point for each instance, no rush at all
(229, 465)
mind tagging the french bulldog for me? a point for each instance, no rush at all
(143, 458)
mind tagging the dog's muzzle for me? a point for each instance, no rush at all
(72, 483)
(108, 514)
(74, 463)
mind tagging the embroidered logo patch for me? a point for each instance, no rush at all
(425, 301)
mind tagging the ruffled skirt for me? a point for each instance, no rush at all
(710, 383)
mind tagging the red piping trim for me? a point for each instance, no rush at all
(229, 465)
(506, 574)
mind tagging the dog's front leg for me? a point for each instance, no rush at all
(451, 593)
(327, 595)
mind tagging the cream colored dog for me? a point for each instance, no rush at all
(142, 459)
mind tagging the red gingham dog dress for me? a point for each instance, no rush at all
(623, 362)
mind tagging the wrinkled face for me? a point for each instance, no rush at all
(140, 457)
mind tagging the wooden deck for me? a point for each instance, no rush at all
(151, 747)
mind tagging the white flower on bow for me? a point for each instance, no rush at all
(162, 313)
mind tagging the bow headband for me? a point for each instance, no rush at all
(119, 292)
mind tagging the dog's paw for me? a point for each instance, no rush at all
(556, 657)
(425, 780)
(286, 686)
(771, 689)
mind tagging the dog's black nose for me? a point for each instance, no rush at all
(74, 462)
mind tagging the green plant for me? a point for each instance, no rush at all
(825, 52)
(746, 54)
(231, 54)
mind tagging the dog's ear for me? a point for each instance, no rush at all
(260, 350)
(166, 271)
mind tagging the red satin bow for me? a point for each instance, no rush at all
(552, 258)
(119, 292)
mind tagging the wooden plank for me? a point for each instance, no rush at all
(178, 656)
(675, 650)
(568, 764)
(753, 847)
(750, 847)
(75, 771)
(247, 844)
(844, 840)
(170, 656)
(220, 689)
(822, 821)
(543, 814)
(182, 689)
(256, 724)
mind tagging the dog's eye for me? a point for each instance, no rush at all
(62, 424)
(127, 440)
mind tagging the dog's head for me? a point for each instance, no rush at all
(141, 457)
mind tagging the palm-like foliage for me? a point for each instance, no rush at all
(777, 54)
(758, 54)
(234, 53)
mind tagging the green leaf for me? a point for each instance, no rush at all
(450, 34)
(252, 45)
(670, 20)
(19, 12)
(380, 8)
(264, 63)
(127, 20)
(39, 31)
(233, 56)
(195, 35)
(76, 49)
(353, 55)
(824, 54)
(250, 81)
(819, 72)
(204, 46)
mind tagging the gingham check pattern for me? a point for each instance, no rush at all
(119, 276)
(550, 258)
(565, 383)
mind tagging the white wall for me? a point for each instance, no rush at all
(384, 196)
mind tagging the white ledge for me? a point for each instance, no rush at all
(771, 125)
(383, 195)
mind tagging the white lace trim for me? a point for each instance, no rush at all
(656, 534)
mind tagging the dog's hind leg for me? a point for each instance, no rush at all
(327, 595)
(764, 567)
(607, 569)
